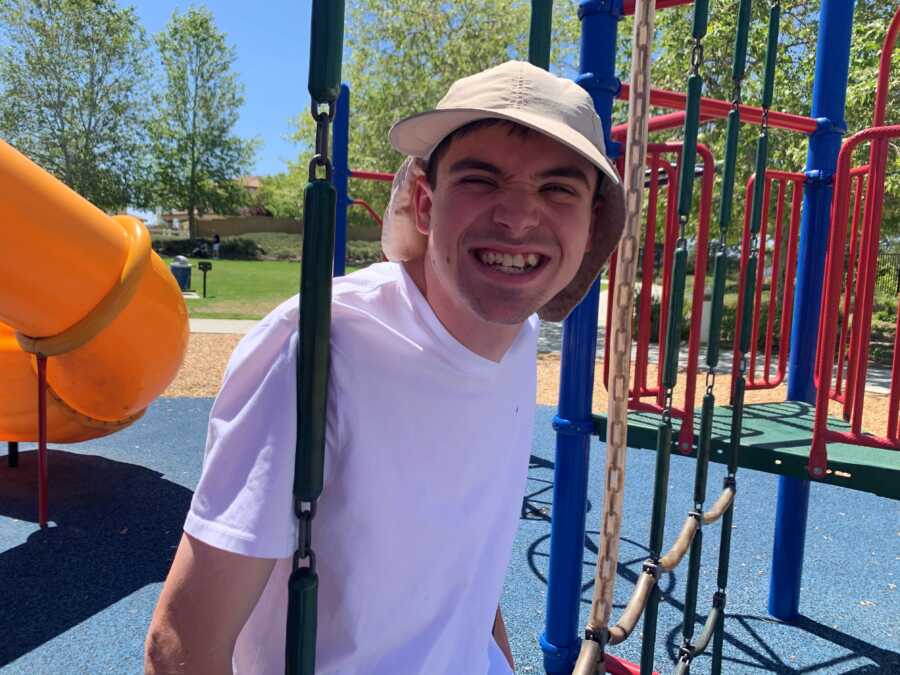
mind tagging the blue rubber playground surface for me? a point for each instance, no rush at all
(77, 597)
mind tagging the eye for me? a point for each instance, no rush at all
(476, 180)
(559, 189)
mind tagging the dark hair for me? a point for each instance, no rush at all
(513, 129)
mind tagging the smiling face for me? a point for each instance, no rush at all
(508, 221)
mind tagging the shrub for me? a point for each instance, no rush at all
(362, 253)
(240, 248)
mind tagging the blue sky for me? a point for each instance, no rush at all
(272, 43)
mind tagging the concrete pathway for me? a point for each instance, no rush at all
(878, 380)
(232, 326)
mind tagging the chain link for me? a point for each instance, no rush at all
(623, 307)
(696, 56)
(305, 512)
(321, 157)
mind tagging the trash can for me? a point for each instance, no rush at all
(181, 270)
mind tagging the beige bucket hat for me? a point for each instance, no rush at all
(525, 94)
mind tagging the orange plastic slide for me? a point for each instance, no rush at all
(86, 290)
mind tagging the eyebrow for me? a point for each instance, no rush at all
(566, 172)
(480, 165)
(469, 164)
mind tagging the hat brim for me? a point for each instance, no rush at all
(419, 135)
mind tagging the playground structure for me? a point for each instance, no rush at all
(91, 319)
(794, 439)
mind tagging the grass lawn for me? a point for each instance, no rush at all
(243, 289)
(246, 289)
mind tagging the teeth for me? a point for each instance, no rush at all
(509, 263)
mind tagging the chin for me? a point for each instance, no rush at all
(506, 316)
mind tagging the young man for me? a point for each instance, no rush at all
(507, 207)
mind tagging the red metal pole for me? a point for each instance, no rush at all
(869, 250)
(894, 398)
(884, 70)
(718, 109)
(848, 295)
(365, 205)
(42, 440)
(760, 268)
(644, 302)
(787, 307)
(373, 175)
(773, 280)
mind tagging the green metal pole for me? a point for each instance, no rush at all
(539, 34)
(319, 204)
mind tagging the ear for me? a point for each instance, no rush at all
(596, 214)
(422, 199)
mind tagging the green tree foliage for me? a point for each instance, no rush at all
(73, 93)
(197, 158)
(401, 57)
(793, 79)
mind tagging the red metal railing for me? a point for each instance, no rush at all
(370, 175)
(863, 295)
(639, 389)
(836, 391)
(718, 109)
(784, 240)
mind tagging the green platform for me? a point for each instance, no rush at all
(776, 439)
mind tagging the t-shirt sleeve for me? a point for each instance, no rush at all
(243, 502)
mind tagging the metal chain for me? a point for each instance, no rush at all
(320, 157)
(623, 301)
(305, 512)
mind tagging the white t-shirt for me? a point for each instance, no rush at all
(426, 462)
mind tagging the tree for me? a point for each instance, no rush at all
(73, 95)
(401, 57)
(197, 159)
(793, 78)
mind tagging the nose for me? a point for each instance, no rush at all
(517, 210)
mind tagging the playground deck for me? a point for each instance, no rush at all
(776, 438)
(85, 587)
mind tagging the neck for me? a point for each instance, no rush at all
(488, 340)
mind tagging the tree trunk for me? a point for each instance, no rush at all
(193, 230)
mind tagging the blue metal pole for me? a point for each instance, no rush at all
(829, 97)
(341, 167)
(560, 640)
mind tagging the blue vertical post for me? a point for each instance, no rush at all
(829, 97)
(341, 167)
(560, 641)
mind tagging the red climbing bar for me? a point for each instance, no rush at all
(42, 439)
(837, 393)
(894, 399)
(372, 175)
(367, 207)
(719, 109)
(674, 120)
